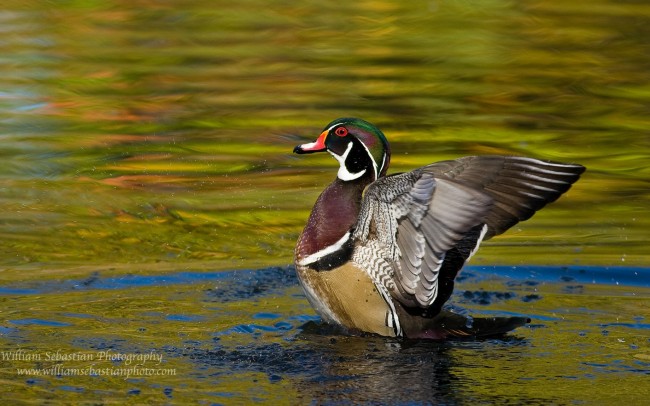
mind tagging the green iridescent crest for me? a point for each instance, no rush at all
(372, 139)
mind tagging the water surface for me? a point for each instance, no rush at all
(149, 200)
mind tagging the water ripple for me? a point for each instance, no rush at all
(247, 283)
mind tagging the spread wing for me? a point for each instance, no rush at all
(519, 186)
(410, 222)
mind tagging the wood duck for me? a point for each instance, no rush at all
(379, 254)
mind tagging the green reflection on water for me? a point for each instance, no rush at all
(129, 142)
(142, 138)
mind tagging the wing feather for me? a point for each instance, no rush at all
(413, 220)
(429, 216)
(520, 186)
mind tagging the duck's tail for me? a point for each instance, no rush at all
(453, 325)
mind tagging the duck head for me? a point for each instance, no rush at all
(359, 147)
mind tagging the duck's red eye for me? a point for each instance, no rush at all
(341, 131)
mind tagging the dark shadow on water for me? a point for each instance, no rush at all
(343, 369)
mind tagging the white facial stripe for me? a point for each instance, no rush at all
(383, 162)
(335, 125)
(374, 164)
(310, 259)
(344, 174)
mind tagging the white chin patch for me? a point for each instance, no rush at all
(343, 173)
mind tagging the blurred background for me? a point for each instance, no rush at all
(145, 132)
